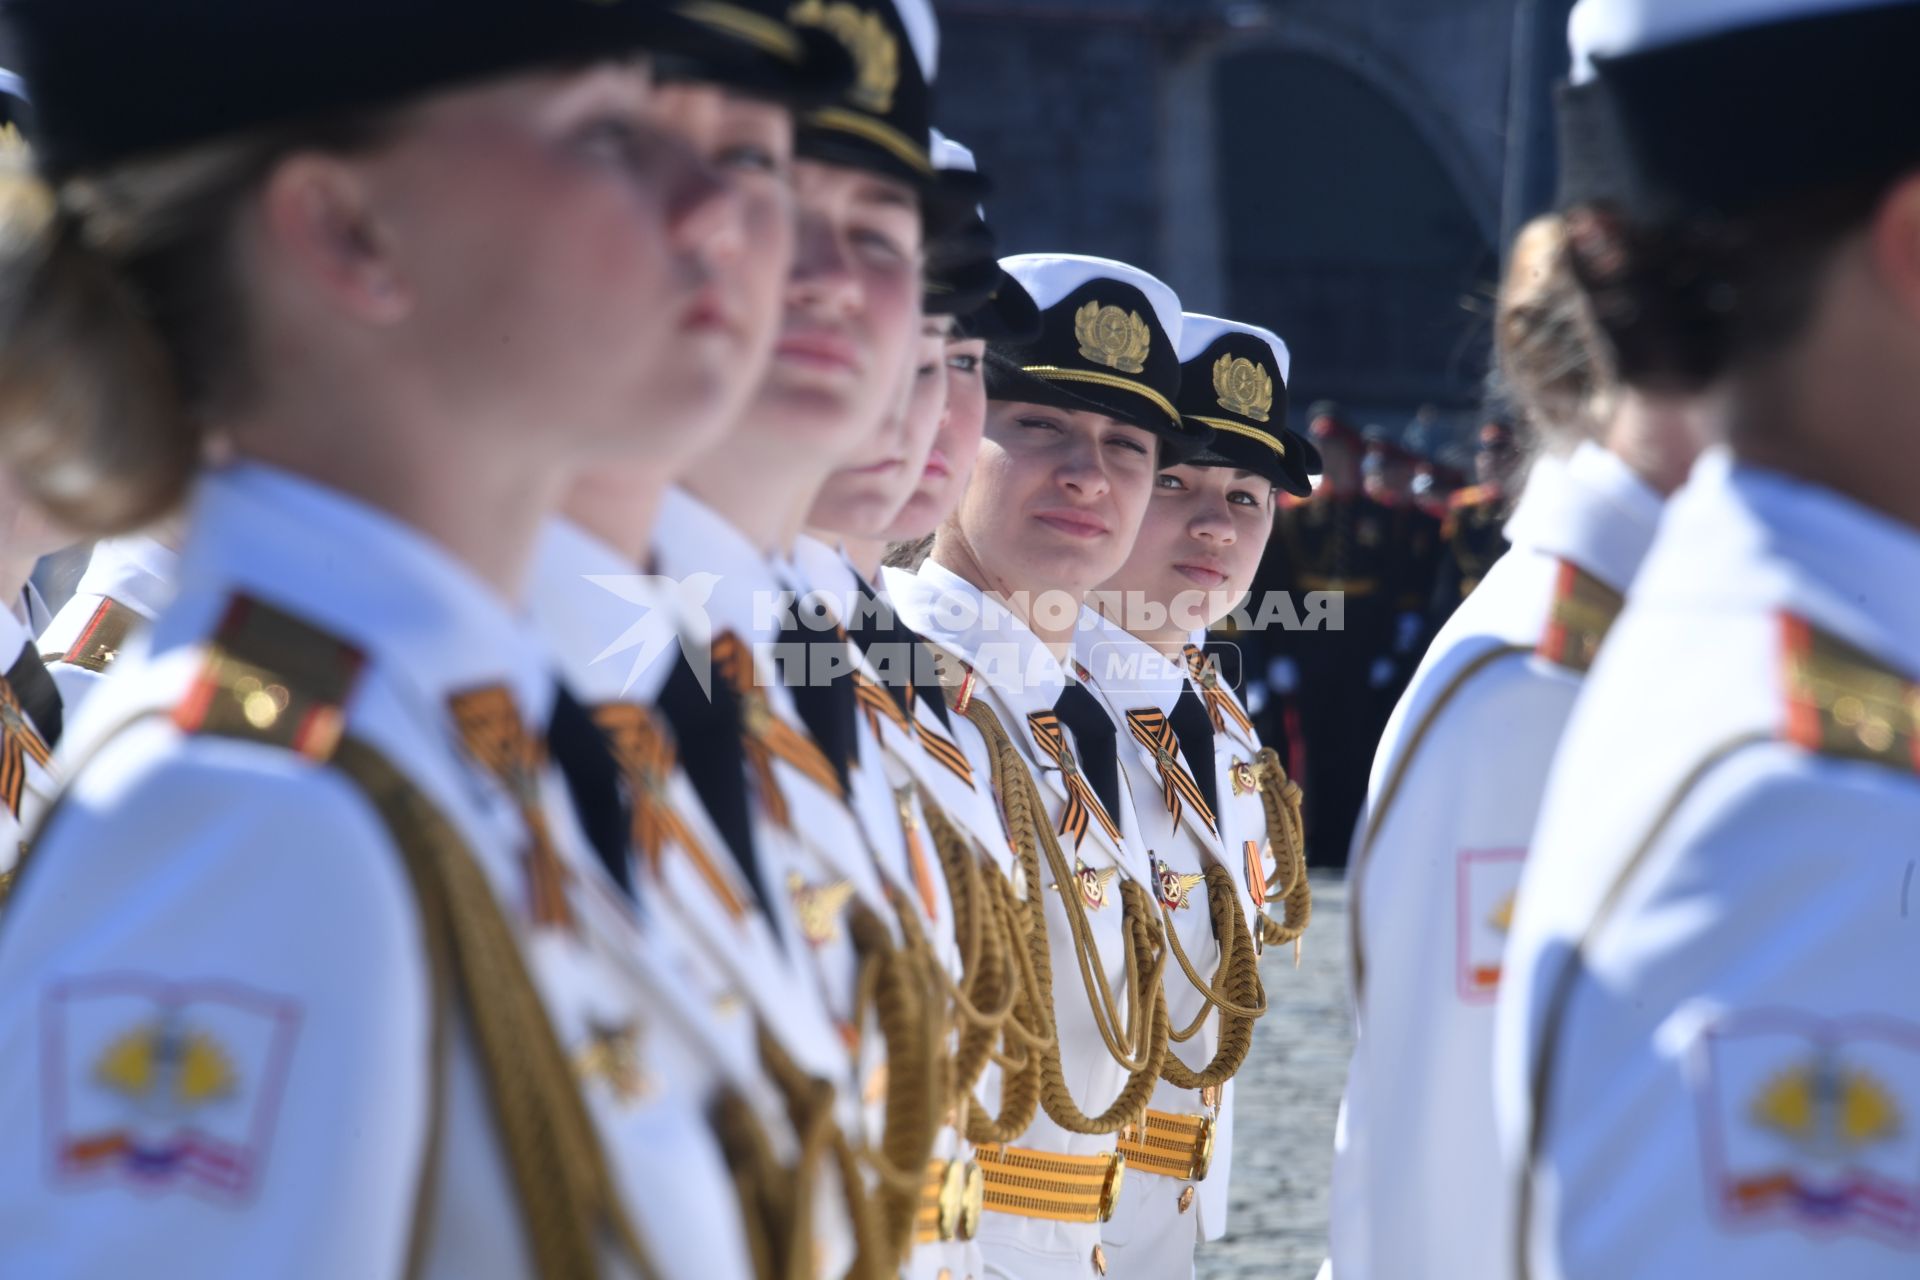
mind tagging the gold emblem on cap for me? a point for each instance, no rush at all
(1243, 387)
(876, 54)
(1113, 336)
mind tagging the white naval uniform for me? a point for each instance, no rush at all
(1243, 823)
(1457, 784)
(893, 770)
(137, 572)
(1711, 976)
(586, 600)
(1016, 674)
(216, 1023)
(819, 862)
(25, 759)
(1157, 1225)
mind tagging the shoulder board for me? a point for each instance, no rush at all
(1842, 701)
(1584, 609)
(99, 642)
(272, 678)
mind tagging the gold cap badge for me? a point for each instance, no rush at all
(1243, 387)
(1112, 336)
(876, 54)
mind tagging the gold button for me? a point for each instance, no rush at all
(1186, 1199)
(1099, 1261)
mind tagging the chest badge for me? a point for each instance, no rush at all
(1245, 782)
(611, 1057)
(819, 907)
(1172, 887)
(1093, 883)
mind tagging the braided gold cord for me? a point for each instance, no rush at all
(810, 1102)
(1239, 996)
(1020, 801)
(895, 981)
(1280, 798)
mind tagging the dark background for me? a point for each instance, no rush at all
(1344, 172)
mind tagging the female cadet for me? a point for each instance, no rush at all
(851, 312)
(1198, 549)
(1708, 1046)
(312, 971)
(1457, 786)
(615, 632)
(956, 856)
(1076, 420)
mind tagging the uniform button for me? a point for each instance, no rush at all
(1186, 1200)
(1099, 1261)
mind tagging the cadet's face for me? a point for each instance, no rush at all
(555, 244)
(955, 446)
(1199, 545)
(749, 143)
(862, 500)
(1056, 496)
(852, 309)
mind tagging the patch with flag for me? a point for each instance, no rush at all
(1487, 881)
(162, 1086)
(1811, 1123)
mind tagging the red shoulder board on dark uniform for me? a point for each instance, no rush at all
(272, 678)
(1842, 701)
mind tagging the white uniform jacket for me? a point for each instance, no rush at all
(1456, 786)
(127, 583)
(219, 1040)
(1161, 1217)
(1708, 1051)
(1019, 677)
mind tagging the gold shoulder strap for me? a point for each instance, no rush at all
(99, 642)
(1844, 702)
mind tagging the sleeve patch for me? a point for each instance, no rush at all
(159, 1087)
(1488, 880)
(1811, 1123)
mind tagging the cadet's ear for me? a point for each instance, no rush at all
(320, 218)
(1895, 244)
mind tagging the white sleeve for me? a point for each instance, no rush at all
(1735, 1088)
(214, 1025)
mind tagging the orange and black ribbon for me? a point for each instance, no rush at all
(19, 742)
(645, 749)
(1082, 803)
(765, 738)
(1154, 732)
(493, 732)
(1221, 706)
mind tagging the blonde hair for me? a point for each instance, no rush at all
(122, 322)
(1550, 358)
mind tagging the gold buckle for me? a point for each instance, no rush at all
(1203, 1149)
(953, 1199)
(973, 1202)
(1110, 1189)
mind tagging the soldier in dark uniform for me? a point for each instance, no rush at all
(1323, 684)
(1472, 536)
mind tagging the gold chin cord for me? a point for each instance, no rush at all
(1280, 797)
(1143, 1051)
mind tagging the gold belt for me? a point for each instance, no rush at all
(950, 1201)
(1047, 1184)
(1173, 1146)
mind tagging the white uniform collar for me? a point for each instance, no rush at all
(1003, 651)
(139, 571)
(1592, 509)
(1130, 672)
(1741, 537)
(615, 631)
(691, 539)
(821, 567)
(360, 575)
(15, 636)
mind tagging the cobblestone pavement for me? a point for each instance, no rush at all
(1286, 1097)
